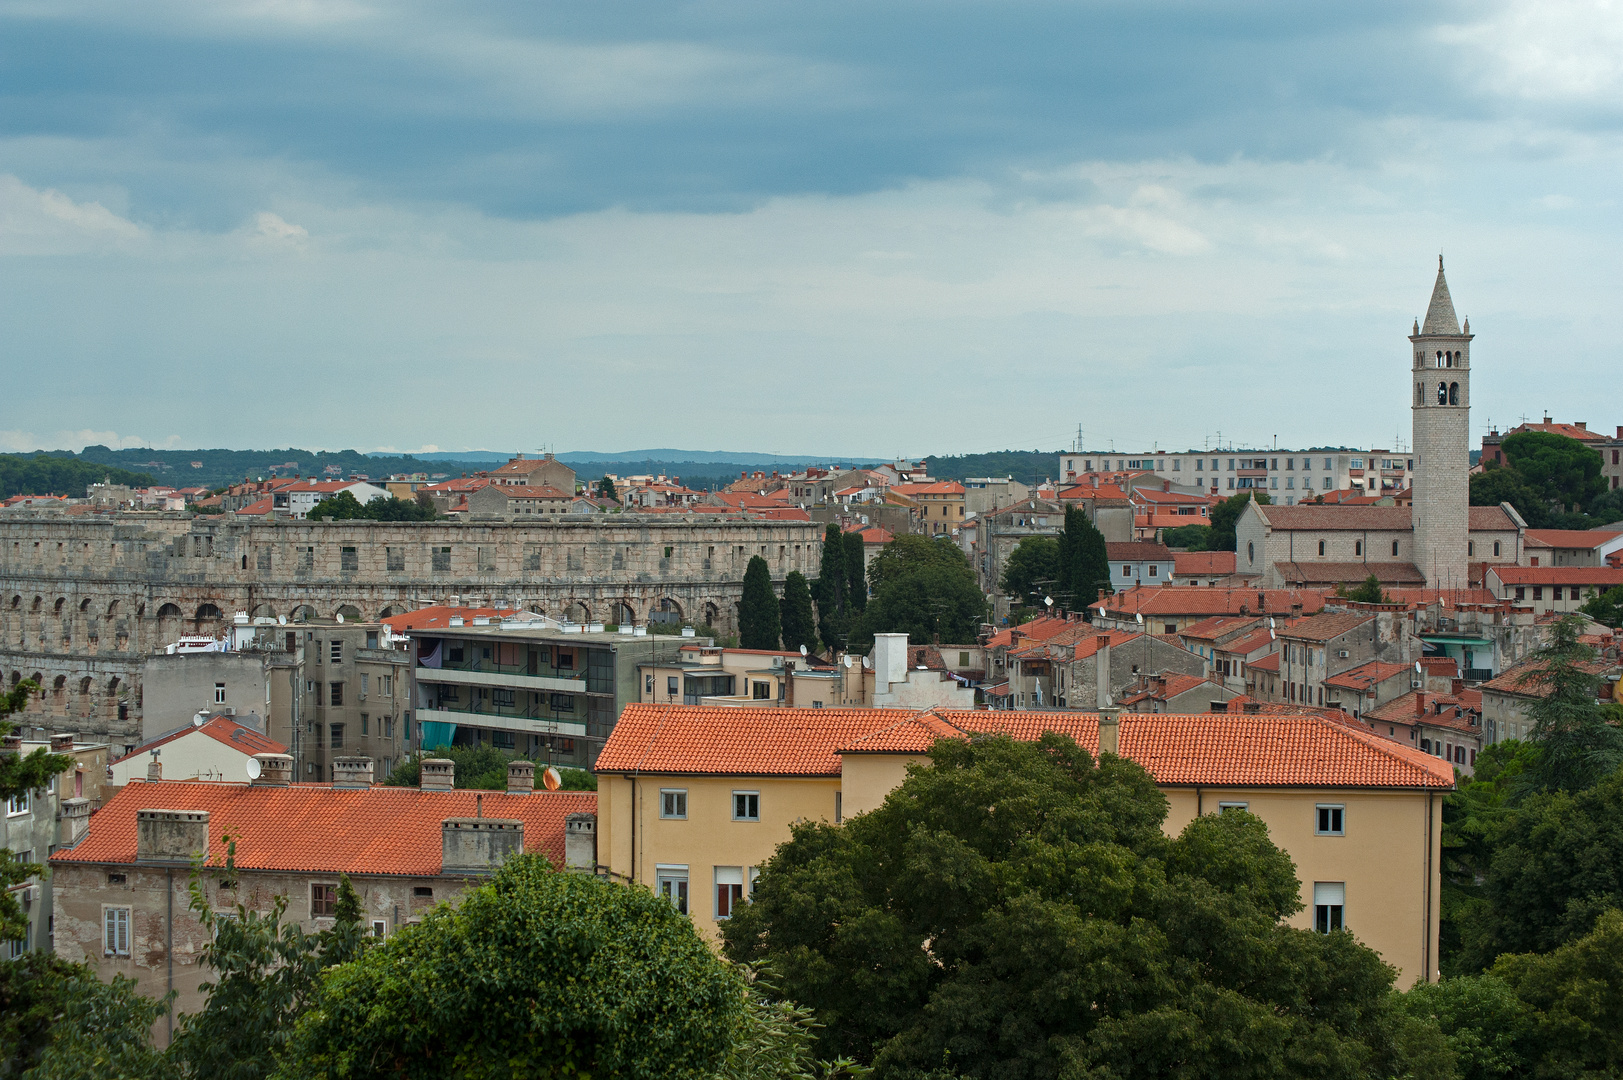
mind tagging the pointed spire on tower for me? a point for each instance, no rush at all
(1440, 317)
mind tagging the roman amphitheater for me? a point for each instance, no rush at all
(84, 599)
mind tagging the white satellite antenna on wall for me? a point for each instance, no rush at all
(803, 650)
(281, 620)
(253, 768)
(847, 659)
(1417, 668)
(340, 616)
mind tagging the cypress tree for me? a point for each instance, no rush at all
(856, 580)
(832, 593)
(798, 622)
(1084, 561)
(758, 611)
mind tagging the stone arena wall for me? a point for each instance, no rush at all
(84, 599)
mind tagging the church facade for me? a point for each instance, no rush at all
(1440, 541)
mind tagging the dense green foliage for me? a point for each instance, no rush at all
(345, 507)
(923, 588)
(59, 1021)
(1083, 563)
(856, 579)
(18, 774)
(535, 973)
(606, 489)
(1606, 608)
(1026, 466)
(481, 768)
(758, 616)
(795, 615)
(1014, 910)
(1188, 537)
(1226, 515)
(223, 467)
(1031, 570)
(1367, 592)
(831, 590)
(52, 474)
(1552, 481)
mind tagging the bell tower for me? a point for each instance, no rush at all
(1442, 441)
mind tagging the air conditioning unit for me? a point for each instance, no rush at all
(28, 894)
(1343, 653)
(1416, 684)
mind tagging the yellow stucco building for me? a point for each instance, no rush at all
(692, 800)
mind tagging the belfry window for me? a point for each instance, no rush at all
(1454, 393)
(1442, 393)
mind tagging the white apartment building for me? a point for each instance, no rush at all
(1289, 476)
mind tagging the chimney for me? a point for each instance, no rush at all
(352, 772)
(1101, 672)
(74, 816)
(436, 774)
(478, 845)
(1218, 706)
(170, 836)
(1109, 730)
(275, 770)
(11, 744)
(63, 744)
(154, 767)
(580, 842)
(520, 777)
(1420, 703)
(1253, 706)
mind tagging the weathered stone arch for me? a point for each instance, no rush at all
(262, 611)
(84, 686)
(169, 611)
(711, 613)
(61, 602)
(577, 611)
(112, 608)
(207, 612)
(623, 613)
(84, 605)
(302, 613)
(348, 612)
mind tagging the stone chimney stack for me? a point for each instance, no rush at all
(63, 744)
(11, 744)
(479, 845)
(1101, 671)
(75, 818)
(275, 770)
(154, 767)
(1110, 730)
(520, 777)
(170, 836)
(580, 842)
(437, 774)
(352, 772)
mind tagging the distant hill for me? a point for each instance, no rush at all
(1026, 466)
(54, 474)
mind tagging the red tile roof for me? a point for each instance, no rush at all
(1325, 627)
(1041, 628)
(1138, 551)
(1203, 563)
(1569, 538)
(221, 728)
(1387, 573)
(1212, 600)
(438, 617)
(1264, 663)
(1215, 627)
(1601, 576)
(1089, 645)
(945, 487)
(1367, 675)
(319, 828)
(736, 740)
(1571, 431)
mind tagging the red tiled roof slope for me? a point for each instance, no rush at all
(319, 828)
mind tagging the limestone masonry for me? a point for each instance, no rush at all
(84, 599)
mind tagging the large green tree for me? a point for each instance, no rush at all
(1226, 515)
(536, 973)
(799, 624)
(1188, 537)
(1496, 484)
(1083, 562)
(831, 590)
(1014, 910)
(758, 625)
(1574, 998)
(856, 580)
(1577, 742)
(923, 588)
(1606, 608)
(21, 776)
(1031, 569)
(1563, 470)
(345, 507)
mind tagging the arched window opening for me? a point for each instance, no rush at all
(57, 608)
(1419, 394)
(1454, 393)
(169, 611)
(1250, 552)
(1442, 393)
(1321, 547)
(207, 611)
(1358, 548)
(84, 605)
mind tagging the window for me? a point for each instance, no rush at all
(323, 901)
(1329, 897)
(963, 659)
(1358, 547)
(673, 803)
(385, 686)
(729, 890)
(500, 696)
(378, 927)
(1126, 571)
(115, 923)
(335, 651)
(671, 882)
(1329, 821)
(423, 891)
(18, 804)
(219, 693)
(1321, 547)
(1200, 464)
(442, 558)
(1395, 548)
(563, 702)
(670, 685)
(1538, 592)
(364, 722)
(1153, 569)
(1470, 547)
(1169, 628)
(388, 731)
(761, 691)
(337, 731)
(746, 806)
(1521, 593)
(839, 807)
(1225, 807)
(348, 559)
(335, 693)
(393, 558)
(1496, 547)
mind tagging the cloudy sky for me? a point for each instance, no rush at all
(863, 228)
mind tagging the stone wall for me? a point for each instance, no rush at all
(83, 600)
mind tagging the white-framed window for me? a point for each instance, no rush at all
(671, 882)
(18, 804)
(379, 928)
(746, 806)
(729, 890)
(1329, 906)
(1330, 819)
(673, 803)
(323, 901)
(115, 937)
(16, 947)
(219, 693)
(1225, 807)
(336, 655)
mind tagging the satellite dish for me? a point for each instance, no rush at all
(1270, 622)
(281, 620)
(1271, 635)
(200, 719)
(867, 662)
(847, 659)
(253, 768)
(803, 650)
(340, 616)
(1139, 615)
(1049, 600)
(551, 779)
(1417, 669)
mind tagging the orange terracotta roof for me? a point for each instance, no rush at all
(1571, 431)
(1346, 573)
(737, 741)
(319, 828)
(1088, 645)
(221, 728)
(1264, 663)
(1041, 628)
(1569, 538)
(1367, 675)
(254, 509)
(1606, 577)
(438, 617)
(1206, 601)
(1325, 627)
(945, 487)
(1203, 563)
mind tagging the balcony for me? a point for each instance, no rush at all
(459, 677)
(528, 725)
